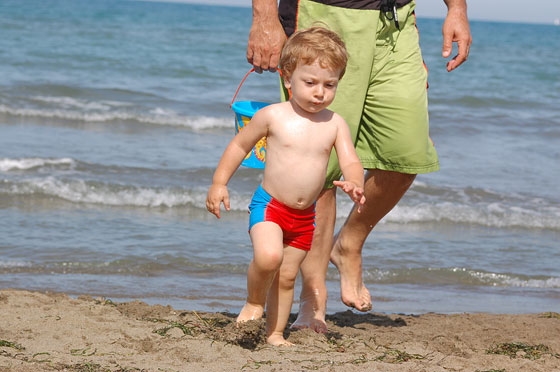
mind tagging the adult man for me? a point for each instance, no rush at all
(384, 101)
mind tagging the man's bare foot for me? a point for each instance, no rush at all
(309, 315)
(316, 324)
(352, 290)
(278, 340)
(250, 312)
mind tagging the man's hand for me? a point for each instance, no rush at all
(456, 30)
(216, 195)
(266, 37)
(355, 192)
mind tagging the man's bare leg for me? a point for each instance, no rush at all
(383, 190)
(313, 297)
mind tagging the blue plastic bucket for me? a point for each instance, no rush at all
(244, 111)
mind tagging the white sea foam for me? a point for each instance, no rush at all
(79, 191)
(534, 213)
(456, 276)
(102, 113)
(492, 214)
(14, 264)
(67, 102)
(533, 283)
(530, 213)
(497, 279)
(7, 164)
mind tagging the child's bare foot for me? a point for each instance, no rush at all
(250, 312)
(352, 290)
(278, 340)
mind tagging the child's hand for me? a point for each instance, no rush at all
(216, 195)
(356, 193)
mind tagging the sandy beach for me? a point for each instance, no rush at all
(55, 332)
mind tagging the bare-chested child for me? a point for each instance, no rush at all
(300, 135)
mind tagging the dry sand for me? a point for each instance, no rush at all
(53, 332)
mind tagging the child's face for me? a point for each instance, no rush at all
(313, 87)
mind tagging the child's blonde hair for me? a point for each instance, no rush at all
(314, 44)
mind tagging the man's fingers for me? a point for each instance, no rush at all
(456, 30)
(463, 46)
(265, 45)
(264, 60)
(463, 52)
(254, 59)
(276, 52)
(447, 45)
(250, 54)
(257, 62)
(274, 61)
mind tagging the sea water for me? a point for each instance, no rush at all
(113, 116)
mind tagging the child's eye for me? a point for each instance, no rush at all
(309, 82)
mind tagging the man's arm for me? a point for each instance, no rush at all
(456, 29)
(266, 37)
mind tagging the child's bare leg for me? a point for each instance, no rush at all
(268, 251)
(281, 295)
(313, 297)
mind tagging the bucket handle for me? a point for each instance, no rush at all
(242, 81)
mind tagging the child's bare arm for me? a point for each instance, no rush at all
(356, 193)
(231, 159)
(350, 165)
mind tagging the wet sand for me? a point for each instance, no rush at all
(54, 332)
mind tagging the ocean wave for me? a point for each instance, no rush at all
(137, 266)
(102, 112)
(509, 280)
(112, 195)
(78, 168)
(92, 192)
(17, 265)
(456, 276)
(7, 164)
(471, 206)
(498, 215)
(468, 207)
(482, 101)
(170, 265)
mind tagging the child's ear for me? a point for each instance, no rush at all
(287, 82)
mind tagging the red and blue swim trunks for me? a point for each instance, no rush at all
(297, 224)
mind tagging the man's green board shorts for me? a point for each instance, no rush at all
(383, 94)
